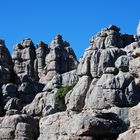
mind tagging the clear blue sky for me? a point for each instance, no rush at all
(76, 20)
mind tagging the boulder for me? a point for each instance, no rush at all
(69, 78)
(88, 124)
(84, 64)
(122, 63)
(13, 103)
(134, 67)
(16, 127)
(43, 104)
(75, 99)
(134, 132)
(28, 90)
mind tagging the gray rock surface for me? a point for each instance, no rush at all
(93, 125)
(138, 29)
(13, 103)
(23, 58)
(6, 66)
(17, 127)
(134, 132)
(97, 93)
(41, 52)
(43, 104)
(75, 99)
(60, 59)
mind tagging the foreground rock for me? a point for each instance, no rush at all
(96, 94)
(134, 132)
(87, 125)
(18, 127)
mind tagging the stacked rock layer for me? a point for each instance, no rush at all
(46, 94)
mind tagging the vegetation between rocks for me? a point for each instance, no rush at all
(60, 95)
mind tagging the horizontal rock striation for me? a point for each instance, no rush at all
(46, 94)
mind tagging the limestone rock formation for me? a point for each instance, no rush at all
(6, 66)
(41, 52)
(46, 94)
(87, 125)
(134, 132)
(18, 127)
(23, 58)
(138, 29)
(104, 90)
(60, 59)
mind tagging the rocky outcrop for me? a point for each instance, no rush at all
(134, 132)
(138, 29)
(47, 94)
(41, 52)
(42, 105)
(59, 60)
(6, 66)
(106, 89)
(75, 98)
(17, 127)
(23, 58)
(87, 125)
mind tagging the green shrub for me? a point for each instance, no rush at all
(60, 95)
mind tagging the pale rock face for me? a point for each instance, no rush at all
(86, 124)
(41, 52)
(43, 104)
(75, 99)
(23, 58)
(134, 67)
(60, 59)
(100, 105)
(138, 29)
(134, 132)
(15, 127)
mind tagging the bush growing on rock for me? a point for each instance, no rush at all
(60, 95)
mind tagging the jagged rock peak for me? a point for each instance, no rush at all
(5, 63)
(2, 42)
(27, 42)
(138, 29)
(59, 42)
(113, 27)
(23, 58)
(59, 59)
(110, 37)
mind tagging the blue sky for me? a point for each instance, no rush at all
(76, 20)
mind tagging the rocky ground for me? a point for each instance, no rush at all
(46, 94)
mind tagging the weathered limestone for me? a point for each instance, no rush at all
(17, 127)
(138, 29)
(6, 66)
(75, 99)
(60, 59)
(134, 132)
(41, 52)
(98, 93)
(23, 58)
(43, 104)
(87, 124)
